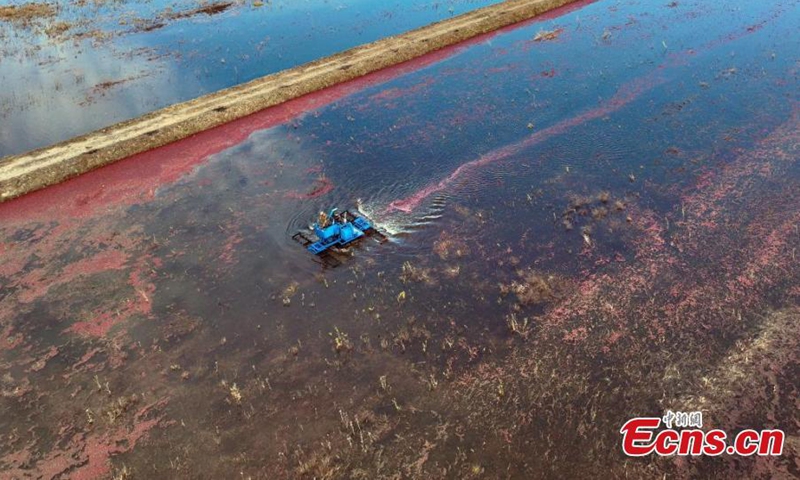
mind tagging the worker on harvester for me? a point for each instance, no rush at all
(323, 219)
(328, 219)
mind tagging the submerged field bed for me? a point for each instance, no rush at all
(591, 217)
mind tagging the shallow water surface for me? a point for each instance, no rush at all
(90, 64)
(583, 229)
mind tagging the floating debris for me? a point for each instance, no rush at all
(235, 393)
(518, 327)
(547, 35)
(341, 342)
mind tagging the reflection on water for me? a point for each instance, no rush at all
(44, 104)
(93, 64)
(592, 228)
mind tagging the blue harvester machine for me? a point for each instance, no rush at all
(336, 230)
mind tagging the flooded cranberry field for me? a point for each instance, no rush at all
(92, 63)
(591, 217)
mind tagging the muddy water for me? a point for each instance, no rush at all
(584, 229)
(91, 64)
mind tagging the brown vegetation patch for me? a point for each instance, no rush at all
(546, 35)
(589, 209)
(535, 288)
(449, 246)
(56, 29)
(26, 12)
(210, 9)
(410, 273)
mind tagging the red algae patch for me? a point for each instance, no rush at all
(36, 284)
(138, 303)
(99, 326)
(82, 456)
(234, 238)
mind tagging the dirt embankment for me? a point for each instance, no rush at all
(24, 173)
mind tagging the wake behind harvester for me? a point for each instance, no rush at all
(336, 230)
